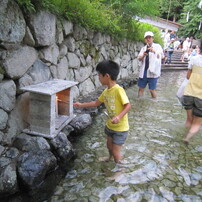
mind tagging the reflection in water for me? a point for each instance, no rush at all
(158, 166)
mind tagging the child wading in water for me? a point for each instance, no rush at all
(117, 105)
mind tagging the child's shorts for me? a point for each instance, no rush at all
(193, 103)
(117, 137)
(152, 82)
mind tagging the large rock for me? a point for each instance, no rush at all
(63, 147)
(3, 119)
(70, 43)
(8, 175)
(125, 60)
(68, 27)
(7, 97)
(39, 72)
(50, 54)
(12, 23)
(19, 61)
(8, 182)
(62, 69)
(86, 87)
(73, 60)
(43, 25)
(81, 121)
(27, 143)
(34, 166)
(82, 73)
(62, 51)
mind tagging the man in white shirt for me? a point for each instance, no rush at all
(150, 69)
(185, 48)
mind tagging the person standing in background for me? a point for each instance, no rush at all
(150, 68)
(166, 40)
(176, 45)
(172, 35)
(185, 49)
(170, 50)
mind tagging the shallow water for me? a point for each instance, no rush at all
(158, 166)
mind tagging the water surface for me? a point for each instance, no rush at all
(158, 166)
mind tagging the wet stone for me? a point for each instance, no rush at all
(178, 191)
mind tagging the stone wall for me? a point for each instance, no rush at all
(35, 49)
(40, 47)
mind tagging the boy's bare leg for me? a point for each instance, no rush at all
(140, 92)
(116, 151)
(196, 123)
(153, 93)
(109, 147)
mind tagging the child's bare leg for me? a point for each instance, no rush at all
(109, 147)
(189, 118)
(116, 152)
(196, 123)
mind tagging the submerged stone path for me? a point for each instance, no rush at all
(158, 166)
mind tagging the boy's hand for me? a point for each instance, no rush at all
(77, 104)
(115, 120)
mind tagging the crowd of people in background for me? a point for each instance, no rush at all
(172, 43)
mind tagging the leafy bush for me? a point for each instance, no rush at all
(95, 16)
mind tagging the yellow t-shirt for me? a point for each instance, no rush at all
(114, 99)
(194, 86)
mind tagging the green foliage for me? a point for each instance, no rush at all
(147, 27)
(35, 5)
(131, 8)
(171, 9)
(191, 27)
(114, 17)
(26, 5)
(93, 15)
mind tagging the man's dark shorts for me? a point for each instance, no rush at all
(193, 103)
(117, 137)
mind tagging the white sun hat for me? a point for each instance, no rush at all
(148, 33)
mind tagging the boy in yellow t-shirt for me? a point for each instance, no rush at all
(117, 105)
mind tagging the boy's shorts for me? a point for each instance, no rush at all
(117, 137)
(152, 82)
(193, 103)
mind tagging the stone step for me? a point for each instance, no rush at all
(179, 61)
(170, 67)
(176, 65)
(173, 67)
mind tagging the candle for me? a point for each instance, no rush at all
(56, 106)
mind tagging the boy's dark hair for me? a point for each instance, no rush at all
(108, 67)
(194, 46)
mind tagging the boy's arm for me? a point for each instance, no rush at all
(87, 104)
(125, 110)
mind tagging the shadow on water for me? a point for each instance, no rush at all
(158, 166)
